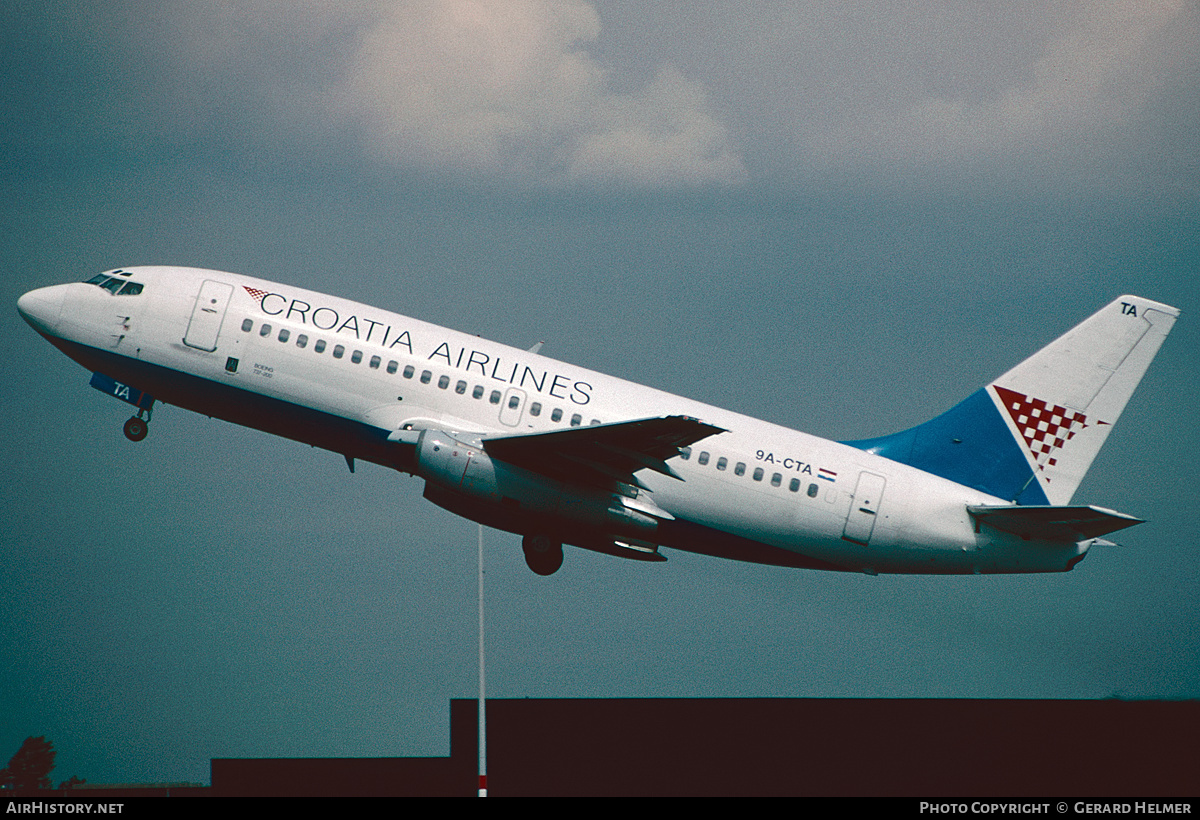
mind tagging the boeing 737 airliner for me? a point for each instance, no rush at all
(563, 455)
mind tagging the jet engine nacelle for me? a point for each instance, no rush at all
(460, 475)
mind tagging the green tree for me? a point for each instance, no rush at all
(30, 767)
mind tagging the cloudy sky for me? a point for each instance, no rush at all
(839, 217)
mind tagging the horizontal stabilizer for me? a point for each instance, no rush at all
(1048, 523)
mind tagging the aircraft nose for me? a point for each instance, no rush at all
(42, 307)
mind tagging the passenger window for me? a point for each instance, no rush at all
(408, 371)
(460, 387)
(794, 485)
(685, 453)
(722, 463)
(247, 324)
(339, 351)
(302, 340)
(758, 474)
(594, 422)
(776, 479)
(375, 360)
(556, 415)
(356, 356)
(319, 347)
(514, 401)
(576, 420)
(284, 334)
(477, 393)
(265, 330)
(535, 409)
(393, 366)
(702, 458)
(443, 382)
(426, 377)
(739, 468)
(812, 490)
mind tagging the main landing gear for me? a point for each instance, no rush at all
(136, 427)
(543, 554)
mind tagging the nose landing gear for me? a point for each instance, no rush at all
(136, 427)
(543, 554)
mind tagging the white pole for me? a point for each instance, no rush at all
(482, 689)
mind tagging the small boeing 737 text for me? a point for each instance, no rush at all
(562, 455)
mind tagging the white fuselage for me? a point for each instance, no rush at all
(343, 376)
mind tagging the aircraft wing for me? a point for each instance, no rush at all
(603, 455)
(1048, 523)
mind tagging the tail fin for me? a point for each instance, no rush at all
(1031, 435)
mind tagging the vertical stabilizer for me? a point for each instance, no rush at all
(1061, 403)
(1031, 435)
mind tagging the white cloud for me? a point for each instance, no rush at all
(1081, 81)
(509, 90)
(1070, 91)
(530, 92)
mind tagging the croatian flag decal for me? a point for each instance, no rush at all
(255, 294)
(1044, 427)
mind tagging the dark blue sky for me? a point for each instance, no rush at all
(841, 221)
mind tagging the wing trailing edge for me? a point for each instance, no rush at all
(603, 455)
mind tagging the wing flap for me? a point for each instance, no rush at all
(1051, 523)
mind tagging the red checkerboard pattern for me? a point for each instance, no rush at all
(255, 293)
(1044, 427)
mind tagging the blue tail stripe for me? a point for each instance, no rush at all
(969, 444)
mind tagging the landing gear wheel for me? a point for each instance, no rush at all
(543, 554)
(136, 429)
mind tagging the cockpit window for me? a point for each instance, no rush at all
(115, 286)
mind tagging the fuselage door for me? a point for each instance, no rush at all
(207, 315)
(860, 523)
